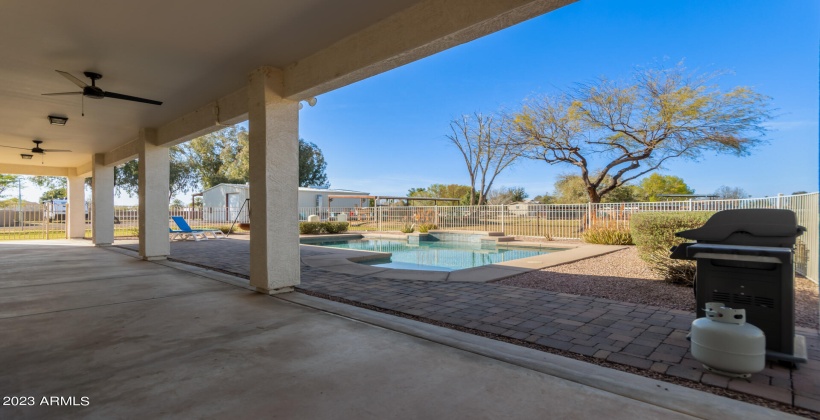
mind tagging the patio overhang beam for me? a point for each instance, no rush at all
(36, 170)
(421, 30)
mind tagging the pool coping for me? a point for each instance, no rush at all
(346, 261)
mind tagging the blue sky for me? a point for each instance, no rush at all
(386, 134)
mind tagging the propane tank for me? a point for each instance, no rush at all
(726, 344)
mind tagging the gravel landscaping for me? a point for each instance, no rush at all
(623, 276)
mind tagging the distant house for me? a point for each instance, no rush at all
(523, 208)
(231, 197)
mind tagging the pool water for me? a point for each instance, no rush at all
(435, 255)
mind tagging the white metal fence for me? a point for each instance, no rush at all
(31, 221)
(126, 218)
(568, 221)
(557, 221)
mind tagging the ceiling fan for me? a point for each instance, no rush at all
(95, 92)
(35, 150)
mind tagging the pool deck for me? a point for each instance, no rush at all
(345, 261)
(646, 338)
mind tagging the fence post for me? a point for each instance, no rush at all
(379, 217)
(589, 214)
(503, 230)
(47, 223)
(779, 204)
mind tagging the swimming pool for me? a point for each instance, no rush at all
(435, 255)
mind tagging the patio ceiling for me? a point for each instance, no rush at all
(189, 54)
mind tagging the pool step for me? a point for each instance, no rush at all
(498, 239)
(467, 232)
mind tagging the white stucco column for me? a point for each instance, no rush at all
(154, 177)
(75, 217)
(102, 196)
(273, 133)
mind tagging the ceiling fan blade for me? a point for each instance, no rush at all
(55, 150)
(13, 147)
(61, 93)
(131, 98)
(73, 79)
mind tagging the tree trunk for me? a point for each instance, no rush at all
(593, 195)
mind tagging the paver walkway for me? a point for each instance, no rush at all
(644, 337)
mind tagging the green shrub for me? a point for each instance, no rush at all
(335, 227)
(607, 234)
(226, 229)
(426, 227)
(654, 236)
(310, 228)
(316, 228)
(408, 228)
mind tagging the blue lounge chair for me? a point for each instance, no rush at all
(185, 231)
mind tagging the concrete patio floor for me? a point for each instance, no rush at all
(646, 338)
(148, 340)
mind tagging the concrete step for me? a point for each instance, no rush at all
(496, 239)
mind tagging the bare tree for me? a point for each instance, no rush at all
(506, 195)
(730, 193)
(486, 149)
(634, 128)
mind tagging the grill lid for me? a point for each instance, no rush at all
(754, 227)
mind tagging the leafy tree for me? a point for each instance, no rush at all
(218, 157)
(462, 192)
(730, 193)
(636, 127)
(49, 182)
(55, 186)
(177, 204)
(800, 192)
(571, 189)
(544, 199)
(6, 182)
(223, 157)
(311, 166)
(54, 194)
(483, 143)
(655, 185)
(126, 178)
(12, 202)
(183, 177)
(624, 194)
(419, 193)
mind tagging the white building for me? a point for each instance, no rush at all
(523, 208)
(231, 197)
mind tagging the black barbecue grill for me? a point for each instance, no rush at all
(745, 260)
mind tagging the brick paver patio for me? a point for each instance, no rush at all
(644, 337)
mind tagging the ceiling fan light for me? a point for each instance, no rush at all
(25, 156)
(55, 120)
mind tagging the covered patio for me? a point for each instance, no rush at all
(166, 340)
(133, 80)
(114, 333)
